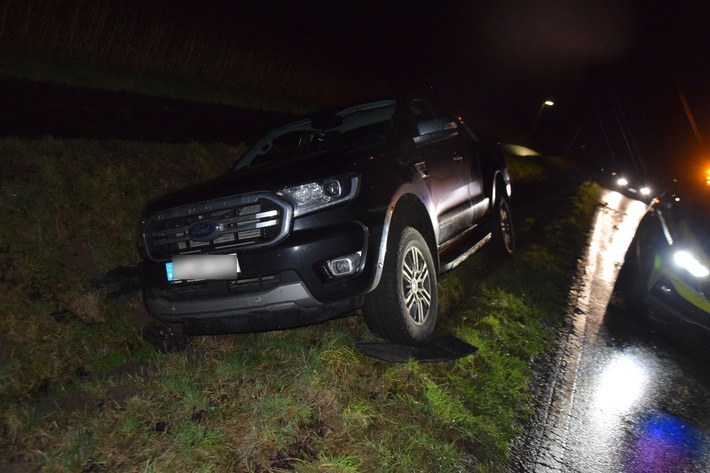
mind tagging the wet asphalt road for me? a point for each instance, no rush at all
(629, 397)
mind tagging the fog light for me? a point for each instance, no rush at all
(343, 266)
(332, 188)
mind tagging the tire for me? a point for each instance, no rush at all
(628, 270)
(633, 285)
(636, 307)
(638, 265)
(503, 243)
(403, 307)
(625, 277)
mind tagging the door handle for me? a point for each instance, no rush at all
(422, 169)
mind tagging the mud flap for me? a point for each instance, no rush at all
(446, 348)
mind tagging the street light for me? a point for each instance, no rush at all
(546, 103)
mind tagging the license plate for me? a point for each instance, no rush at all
(200, 267)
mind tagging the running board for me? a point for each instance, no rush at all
(458, 258)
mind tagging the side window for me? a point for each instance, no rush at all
(419, 110)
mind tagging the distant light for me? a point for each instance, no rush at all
(645, 191)
(622, 181)
(549, 103)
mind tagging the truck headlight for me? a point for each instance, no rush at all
(320, 194)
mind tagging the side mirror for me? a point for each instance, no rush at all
(434, 130)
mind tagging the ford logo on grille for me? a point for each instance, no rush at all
(203, 230)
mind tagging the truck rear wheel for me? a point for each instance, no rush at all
(403, 307)
(503, 234)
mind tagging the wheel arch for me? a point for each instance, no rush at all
(411, 212)
(501, 185)
(406, 209)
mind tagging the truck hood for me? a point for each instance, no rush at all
(263, 178)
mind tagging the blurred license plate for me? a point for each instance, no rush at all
(196, 267)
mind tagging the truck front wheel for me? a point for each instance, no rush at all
(402, 309)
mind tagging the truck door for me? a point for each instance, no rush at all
(473, 155)
(447, 174)
(445, 167)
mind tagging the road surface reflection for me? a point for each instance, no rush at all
(628, 402)
(621, 383)
(664, 443)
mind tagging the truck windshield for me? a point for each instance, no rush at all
(351, 127)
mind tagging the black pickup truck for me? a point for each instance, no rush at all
(355, 207)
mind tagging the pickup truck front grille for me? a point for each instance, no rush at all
(236, 223)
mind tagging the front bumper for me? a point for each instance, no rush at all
(284, 286)
(285, 306)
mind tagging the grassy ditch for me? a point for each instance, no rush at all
(82, 391)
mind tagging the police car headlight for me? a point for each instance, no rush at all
(690, 263)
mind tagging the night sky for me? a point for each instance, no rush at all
(616, 70)
(628, 78)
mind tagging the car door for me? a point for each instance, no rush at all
(445, 168)
(473, 153)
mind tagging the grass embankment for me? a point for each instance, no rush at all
(141, 47)
(82, 391)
